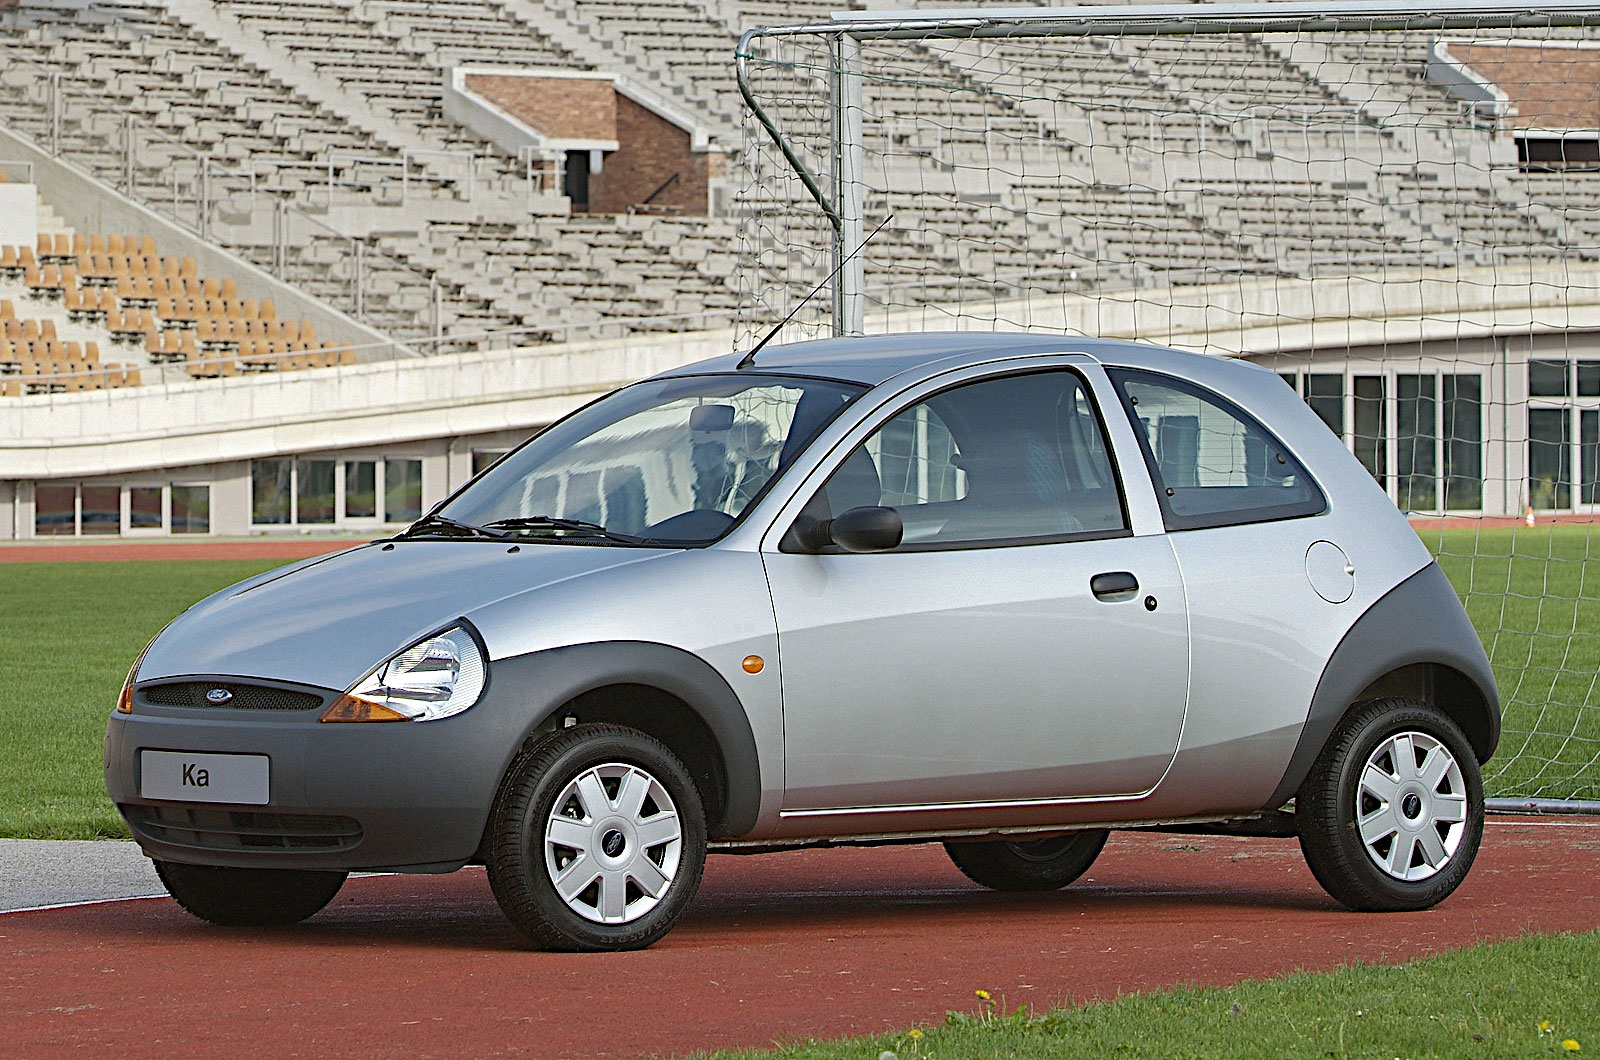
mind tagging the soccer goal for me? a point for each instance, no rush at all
(1395, 207)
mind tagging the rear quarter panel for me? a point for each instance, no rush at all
(1260, 635)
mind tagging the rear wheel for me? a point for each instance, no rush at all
(249, 897)
(1391, 815)
(598, 840)
(1040, 865)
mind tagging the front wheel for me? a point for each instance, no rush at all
(1040, 865)
(598, 840)
(249, 897)
(1391, 814)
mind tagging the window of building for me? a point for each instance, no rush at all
(101, 510)
(360, 489)
(1461, 423)
(314, 491)
(1416, 442)
(144, 507)
(402, 490)
(1324, 392)
(1589, 455)
(328, 492)
(482, 458)
(191, 510)
(270, 496)
(1548, 378)
(1549, 458)
(1213, 464)
(1420, 435)
(55, 511)
(1589, 378)
(1369, 418)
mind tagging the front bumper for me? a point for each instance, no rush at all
(377, 796)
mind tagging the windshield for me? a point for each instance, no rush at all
(667, 461)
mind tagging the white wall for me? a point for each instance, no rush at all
(19, 215)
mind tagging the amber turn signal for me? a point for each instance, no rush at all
(350, 708)
(754, 664)
(125, 701)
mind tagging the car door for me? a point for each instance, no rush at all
(1020, 644)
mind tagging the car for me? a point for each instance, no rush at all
(1004, 592)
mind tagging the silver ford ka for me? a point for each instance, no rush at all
(1004, 592)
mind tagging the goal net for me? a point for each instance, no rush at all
(1397, 209)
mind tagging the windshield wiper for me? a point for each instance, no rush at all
(576, 526)
(444, 526)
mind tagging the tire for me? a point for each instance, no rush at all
(249, 897)
(1381, 831)
(597, 840)
(1040, 865)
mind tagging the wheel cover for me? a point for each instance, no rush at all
(1411, 806)
(612, 843)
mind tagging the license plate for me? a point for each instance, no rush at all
(185, 776)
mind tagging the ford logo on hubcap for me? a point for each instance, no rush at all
(218, 695)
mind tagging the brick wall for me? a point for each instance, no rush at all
(1552, 88)
(653, 149)
(565, 108)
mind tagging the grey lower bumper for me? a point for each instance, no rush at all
(363, 796)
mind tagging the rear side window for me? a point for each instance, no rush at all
(1213, 464)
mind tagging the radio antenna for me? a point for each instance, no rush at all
(749, 359)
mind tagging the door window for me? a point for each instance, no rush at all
(1212, 464)
(1005, 461)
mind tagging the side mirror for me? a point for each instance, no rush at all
(872, 529)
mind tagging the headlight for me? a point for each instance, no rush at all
(125, 697)
(436, 678)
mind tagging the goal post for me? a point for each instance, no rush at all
(1394, 206)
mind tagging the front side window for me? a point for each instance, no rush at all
(1212, 464)
(667, 461)
(1015, 460)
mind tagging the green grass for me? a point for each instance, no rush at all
(70, 630)
(1487, 1001)
(68, 633)
(1528, 592)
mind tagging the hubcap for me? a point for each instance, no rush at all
(612, 843)
(1411, 806)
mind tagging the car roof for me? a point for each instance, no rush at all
(871, 359)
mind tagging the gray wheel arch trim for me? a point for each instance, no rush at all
(1421, 620)
(539, 684)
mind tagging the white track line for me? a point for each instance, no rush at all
(77, 905)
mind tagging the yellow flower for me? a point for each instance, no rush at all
(983, 995)
(913, 1034)
(1571, 1045)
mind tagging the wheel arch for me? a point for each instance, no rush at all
(667, 693)
(1417, 642)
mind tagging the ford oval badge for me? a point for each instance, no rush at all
(218, 695)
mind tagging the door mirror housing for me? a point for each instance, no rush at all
(868, 529)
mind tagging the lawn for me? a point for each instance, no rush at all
(1525, 998)
(1528, 593)
(68, 633)
(70, 630)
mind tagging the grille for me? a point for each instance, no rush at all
(209, 829)
(245, 697)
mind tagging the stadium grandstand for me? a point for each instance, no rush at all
(297, 265)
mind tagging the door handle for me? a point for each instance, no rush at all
(1113, 583)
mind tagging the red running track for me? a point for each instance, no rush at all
(776, 947)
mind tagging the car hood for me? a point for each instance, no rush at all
(329, 621)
